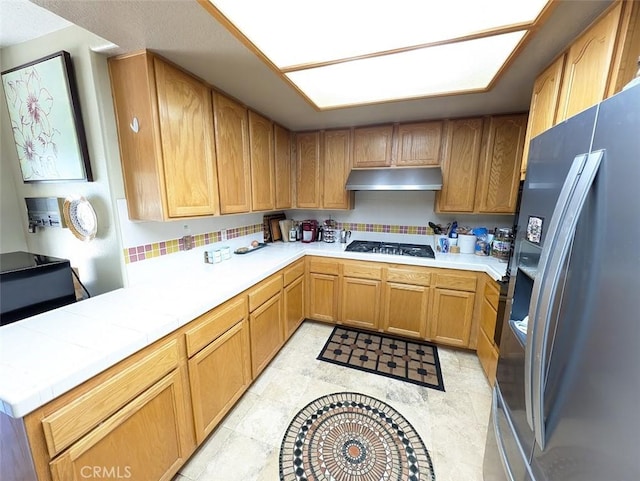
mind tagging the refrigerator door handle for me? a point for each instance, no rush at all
(557, 220)
(548, 295)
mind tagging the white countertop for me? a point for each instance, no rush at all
(46, 355)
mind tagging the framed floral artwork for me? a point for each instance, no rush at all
(42, 100)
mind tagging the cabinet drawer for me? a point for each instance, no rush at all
(362, 270)
(488, 318)
(457, 282)
(415, 277)
(211, 325)
(69, 423)
(291, 273)
(321, 265)
(492, 293)
(265, 291)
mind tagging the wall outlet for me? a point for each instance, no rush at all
(187, 241)
(223, 235)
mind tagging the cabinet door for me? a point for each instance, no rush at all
(544, 105)
(232, 149)
(146, 439)
(186, 126)
(219, 374)
(336, 166)
(488, 357)
(282, 149)
(418, 144)
(262, 162)
(372, 146)
(499, 176)
(267, 333)
(308, 170)
(293, 306)
(406, 309)
(460, 166)
(361, 302)
(588, 66)
(323, 297)
(452, 313)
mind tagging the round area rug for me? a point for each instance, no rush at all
(352, 437)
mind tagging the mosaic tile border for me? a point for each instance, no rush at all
(386, 228)
(157, 249)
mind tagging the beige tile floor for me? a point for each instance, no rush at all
(246, 445)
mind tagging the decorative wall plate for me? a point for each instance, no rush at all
(80, 218)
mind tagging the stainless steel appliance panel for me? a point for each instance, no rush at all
(592, 390)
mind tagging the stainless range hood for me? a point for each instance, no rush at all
(425, 178)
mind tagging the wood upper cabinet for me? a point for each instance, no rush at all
(262, 162)
(544, 105)
(588, 67)
(336, 165)
(499, 172)
(165, 132)
(283, 171)
(460, 159)
(372, 146)
(232, 148)
(308, 170)
(418, 144)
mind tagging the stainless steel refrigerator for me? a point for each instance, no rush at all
(566, 404)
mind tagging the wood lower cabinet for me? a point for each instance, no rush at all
(406, 310)
(219, 374)
(165, 132)
(323, 297)
(267, 333)
(233, 154)
(487, 349)
(283, 172)
(262, 162)
(499, 171)
(361, 302)
(452, 315)
(460, 159)
(147, 439)
(293, 295)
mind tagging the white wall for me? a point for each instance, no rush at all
(415, 208)
(98, 261)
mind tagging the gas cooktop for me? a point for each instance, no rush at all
(392, 248)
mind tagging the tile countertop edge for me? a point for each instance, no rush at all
(265, 264)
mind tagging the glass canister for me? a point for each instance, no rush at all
(501, 246)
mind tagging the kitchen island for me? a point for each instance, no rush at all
(83, 346)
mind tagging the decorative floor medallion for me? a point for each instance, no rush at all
(352, 437)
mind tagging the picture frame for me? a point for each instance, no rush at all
(46, 121)
(534, 229)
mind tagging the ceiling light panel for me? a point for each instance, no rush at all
(461, 66)
(293, 32)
